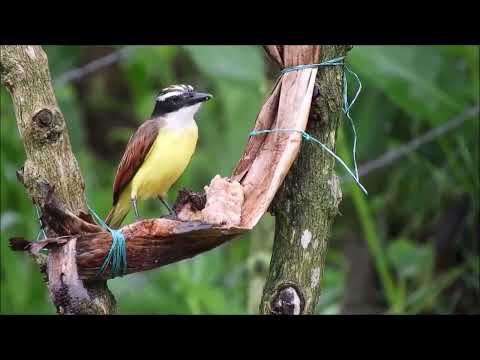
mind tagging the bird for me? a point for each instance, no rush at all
(158, 152)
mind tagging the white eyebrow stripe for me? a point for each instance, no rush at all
(178, 87)
(169, 94)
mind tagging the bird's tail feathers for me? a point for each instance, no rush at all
(115, 216)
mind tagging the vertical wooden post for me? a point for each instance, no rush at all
(306, 205)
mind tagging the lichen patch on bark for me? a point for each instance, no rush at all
(315, 279)
(306, 238)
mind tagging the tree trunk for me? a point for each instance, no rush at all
(306, 204)
(50, 163)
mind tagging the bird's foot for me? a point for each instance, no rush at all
(172, 216)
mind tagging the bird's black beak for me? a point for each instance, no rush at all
(198, 97)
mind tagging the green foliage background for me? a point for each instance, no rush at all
(406, 91)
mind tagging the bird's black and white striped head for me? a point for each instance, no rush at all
(179, 99)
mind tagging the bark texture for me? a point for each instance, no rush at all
(306, 204)
(50, 163)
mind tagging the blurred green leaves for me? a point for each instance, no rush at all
(410, 76)
(237, 63)
(410, 259)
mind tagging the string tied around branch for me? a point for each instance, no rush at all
(346, 106)
(117, 255)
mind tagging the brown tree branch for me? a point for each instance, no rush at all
(151, 243)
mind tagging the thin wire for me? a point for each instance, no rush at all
(95, 65)
(308, 137)
(332, 62)
(346, 110)
(346, 106)
(42, 230)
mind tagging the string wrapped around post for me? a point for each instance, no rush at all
(117, 255)
(346, 106)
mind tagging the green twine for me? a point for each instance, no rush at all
(309, 137)
(117, 254)
(42, 230)
(346, 106)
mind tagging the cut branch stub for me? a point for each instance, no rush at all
(287, 300)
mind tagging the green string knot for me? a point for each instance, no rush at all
(306, 136)
(117, 255)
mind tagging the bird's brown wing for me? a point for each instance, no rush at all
(137, 148)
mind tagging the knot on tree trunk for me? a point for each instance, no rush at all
(287, 300)
(47, 126)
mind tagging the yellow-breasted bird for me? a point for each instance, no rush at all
(158, 152)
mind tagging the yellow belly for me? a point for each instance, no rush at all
(165, 162)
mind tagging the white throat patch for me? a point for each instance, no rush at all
(181, 118)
